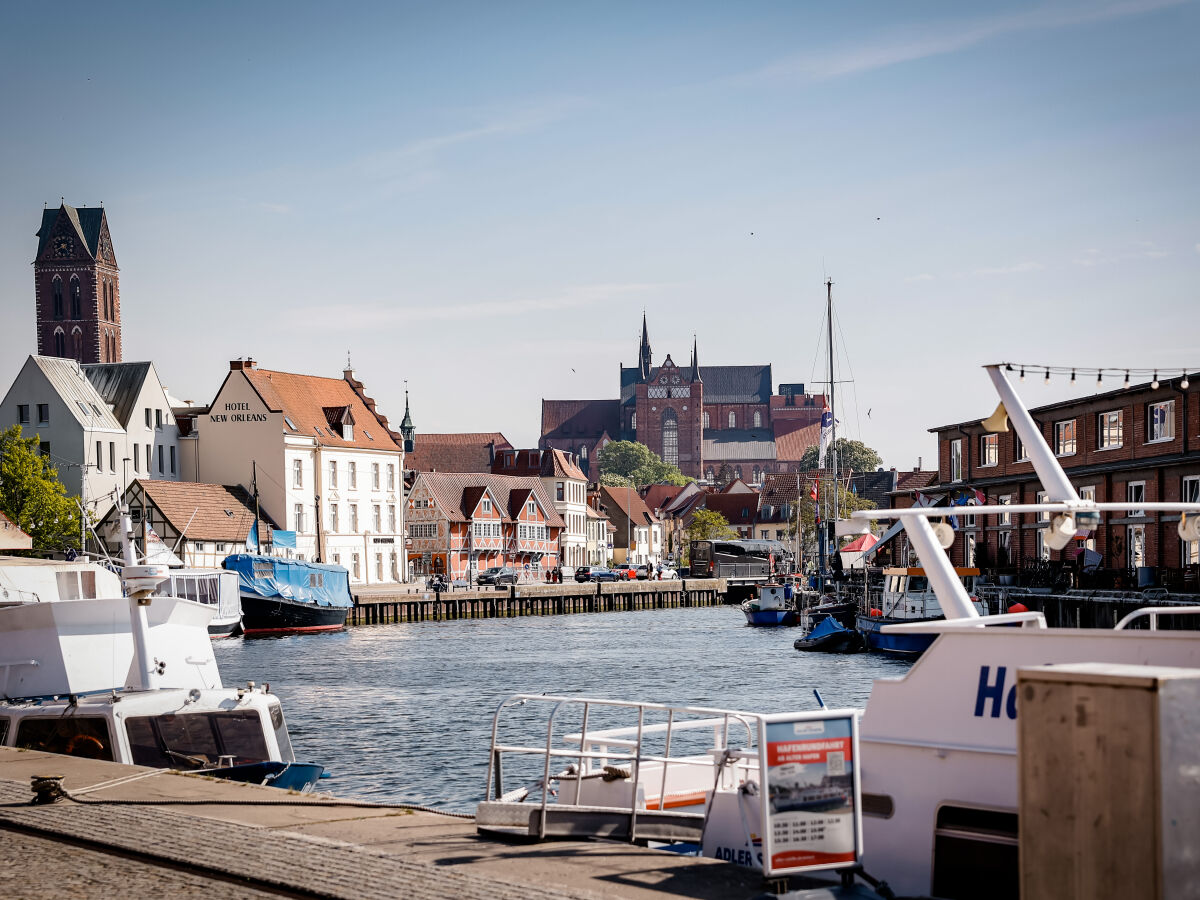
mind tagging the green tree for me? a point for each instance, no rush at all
(851, 455)
(630, 464)
(33, 497)
(707, 525)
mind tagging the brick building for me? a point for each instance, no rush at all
(77, 286)
(699, 418)
(1139, 443)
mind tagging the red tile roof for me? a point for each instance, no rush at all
(305, 398)
(914, 481)
(793, 438)
(457, 493)
(464, 452)
(617, 500)
(548, 463)
(659, 495)
(582, 418)
(208, 512)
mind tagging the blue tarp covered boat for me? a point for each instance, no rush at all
(289, 595)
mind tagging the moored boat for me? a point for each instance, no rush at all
(281, 596)
(212, 587)
(774, 606)
(908, 598)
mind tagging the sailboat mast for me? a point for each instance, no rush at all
(832, 392)
(254, 483)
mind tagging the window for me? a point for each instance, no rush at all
(172, 459)
(160, 459)
(486, 505)
(58, 298)
(670, 438)
(44, 448)
(148, 417)
(99, 456)
(1088, 538)
(158, 418)
(1043, 515)
(732, 419)
(757, 419)
(1108, 430)
(1190, 493)
(297, 473)
(60, 343)
(1004, 547)
(1064, 438)
(956, 469)
(354, 518)
(391, 477)
(377, 518)
(77, 344)
(147, 459)
(989, 450)
(379, 567)
(633, 421)
(532, 507)
(352, 476)
(709, 474)
(1135, 492)
(706, 422)
(737, 472)
(85, 736)
(1137, 546)
(23, 413)
(297, 514)
(112, 456)
(374, 476)
(137, 458)
(333, 517)
(970, 550)
(354, 565)
(43, 413)
(560, 491)
(333, 473)
(1005, 517)
(395, 568)
(392, 518)
(1160, 421)
(75, 304)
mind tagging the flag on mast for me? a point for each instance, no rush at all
(826, 436)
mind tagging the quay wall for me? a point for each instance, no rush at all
(383, 606)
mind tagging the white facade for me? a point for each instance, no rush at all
(570, 500)
(345, 503)
(96, 454)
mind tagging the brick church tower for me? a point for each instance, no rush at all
(77, 286)
(668, 404)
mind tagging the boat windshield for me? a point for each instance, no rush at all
(85, 736)
(918, 584)
(196, 740)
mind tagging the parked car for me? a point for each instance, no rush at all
(584, 573)
(669, 573)
(625, 571)
(497, 575)
(643, 573)
(599, 573)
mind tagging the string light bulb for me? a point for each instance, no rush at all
(1154, 383)
(1022, 373)
(1047, 375)
(1184, 384)
(1127, 379)
(1072, 376)
(1099, 378)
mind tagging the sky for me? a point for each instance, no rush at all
(481, 199)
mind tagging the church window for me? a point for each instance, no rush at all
(58, 298)
(77, 345)
(670, 438)
(757, 471)
(633, 421)
(709, 475)
(706, 422)
(732, 419)
(583, 452)
(737, 472)
(75, 314)
(757, 419)
(60, 343)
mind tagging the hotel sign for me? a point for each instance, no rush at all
(237, 412)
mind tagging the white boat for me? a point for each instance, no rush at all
(30, 580)
(133, 679)
(936, 748)
(212, 587)
(907, 597)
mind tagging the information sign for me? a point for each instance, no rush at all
(810, 791)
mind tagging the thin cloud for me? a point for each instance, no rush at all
(353, 317)
(1140, 250)
(928, 40)
(1018, 269)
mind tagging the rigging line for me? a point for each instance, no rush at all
(853, 386)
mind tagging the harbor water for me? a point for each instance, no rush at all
(403, 713)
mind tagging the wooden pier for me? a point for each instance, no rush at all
(373, 607)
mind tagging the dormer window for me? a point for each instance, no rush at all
(485, 505)
(341, 421)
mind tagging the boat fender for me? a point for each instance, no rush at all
(1018, 607)
(876, 612)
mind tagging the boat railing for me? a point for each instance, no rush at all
(1153, 612)
(1031, 619)
(618, 753)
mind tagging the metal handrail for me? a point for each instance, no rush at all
(1153, 612)
(608, 738)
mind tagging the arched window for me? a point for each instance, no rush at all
(58, 298)
(60, 343)
(732, 419)
(709, 475)
(633, 422)
(706, 419)
(737, 472)
(670, 437)
(108, 301)
(77, 344)
(757, 419)
(583, 453)
(75, 298)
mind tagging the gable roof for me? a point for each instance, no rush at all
(465, 452)
(87, 223)
(915, 480)
(216, 512)
(548, 463)
(736, 384)
(457, 493)
(793, 439)
(12, 537)
(625, 502)
(304, 398)
(659, 495)
(119, 384)
(80, 396)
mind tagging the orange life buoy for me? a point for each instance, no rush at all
(94, 746)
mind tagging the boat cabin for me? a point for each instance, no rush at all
(907, 593)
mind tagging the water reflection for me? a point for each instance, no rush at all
(404, 712)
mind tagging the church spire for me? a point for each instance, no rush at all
(644, 359)
(695, 362)
(407, 430)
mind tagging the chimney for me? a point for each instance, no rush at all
(236, 365)
(918, 468)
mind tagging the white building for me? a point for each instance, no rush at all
(102, 425)
(325, 462)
